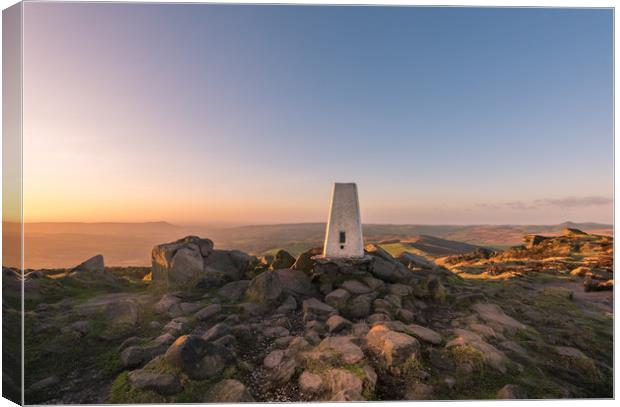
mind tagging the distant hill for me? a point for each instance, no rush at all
(55, 245)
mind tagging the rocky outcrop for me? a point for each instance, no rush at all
(192, 261)
(93, 265)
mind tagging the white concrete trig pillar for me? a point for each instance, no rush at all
(343, 236)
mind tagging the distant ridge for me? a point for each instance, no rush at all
(66, 244)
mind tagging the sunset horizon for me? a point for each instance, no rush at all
(252, 121)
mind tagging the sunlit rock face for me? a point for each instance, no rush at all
(343, 237)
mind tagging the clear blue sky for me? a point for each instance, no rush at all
(213, 113)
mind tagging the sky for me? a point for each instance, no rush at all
(197, 114)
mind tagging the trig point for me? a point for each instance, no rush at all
(343, 236)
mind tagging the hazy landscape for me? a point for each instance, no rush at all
(59, 245)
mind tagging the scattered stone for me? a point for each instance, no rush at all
(177, 326)
(310, 383)
(338, 298)
(393, 348)
(315, 309)
(289, 305)
(377, 318)
(275, 332)
(336, 324)
(216, 331)
(312, 337)
(425, 334)
(355, 287)
(163, 383)
(233, 291)
(169, 304)
(229, 391)
(343, 385)
(360, 306)
(400, 290)
(189, 307)
(273, 359)
(342, 348)
(266, 288)
(405, 315)
(374, 283)
(208, 312)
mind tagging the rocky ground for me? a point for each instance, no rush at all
(205, 325)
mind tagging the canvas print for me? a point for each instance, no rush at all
(225, 203)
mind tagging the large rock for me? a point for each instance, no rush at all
(393, 348)
(198, 358)
(192, 261)
(94, 264)
(338, 298)
(233, 291)
(315, 309)
(266, 288)
(229, 391)
(282, 260)
(341, 348)
(296, 283)
(390, 271)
